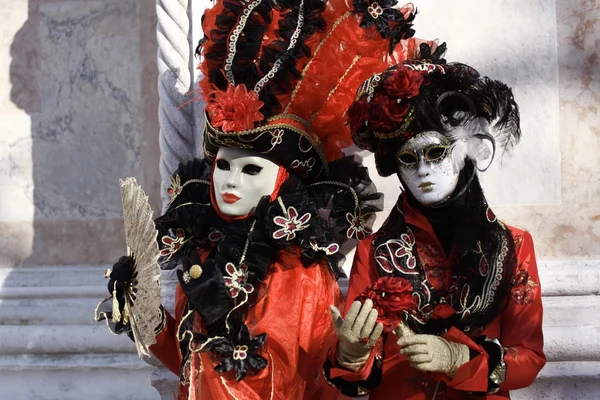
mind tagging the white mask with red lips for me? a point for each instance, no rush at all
(425, 166)
(240, 179)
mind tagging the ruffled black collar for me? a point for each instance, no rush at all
(225, 263)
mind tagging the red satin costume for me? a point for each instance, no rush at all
(518, 327)
(295, 315)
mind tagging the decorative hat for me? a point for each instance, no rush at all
(278, 75)
(478, 115)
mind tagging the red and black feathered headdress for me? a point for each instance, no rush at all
(278, 75)
(479, 115)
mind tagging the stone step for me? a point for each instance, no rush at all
(68, 309)
(62, 339)
(75, 377)
(74, 276)
(51, 362)
(563, 381)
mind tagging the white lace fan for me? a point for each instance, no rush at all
(142, 297)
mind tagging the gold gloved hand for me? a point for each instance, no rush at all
(357, 334)
(430, 352)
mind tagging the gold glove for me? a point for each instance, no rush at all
(430, 352)
(357, 334)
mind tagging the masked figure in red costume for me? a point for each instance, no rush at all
(259, 262)
(444, 300)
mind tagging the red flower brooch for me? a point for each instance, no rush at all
(392, 297)
(235, 109)
(404, 83)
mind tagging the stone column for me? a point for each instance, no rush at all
(72, 123)
(180, 127)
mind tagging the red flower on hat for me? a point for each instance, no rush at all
(404, 83)
(379, 119)
(358, 113)
(391, 297)
(235, 109)
(394, 110)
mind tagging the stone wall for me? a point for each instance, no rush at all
(79, 111)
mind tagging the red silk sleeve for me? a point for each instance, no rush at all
(520, 332)
(295, 315)
(166, 348)
(522, 324)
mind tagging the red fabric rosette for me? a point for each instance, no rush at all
(392, 297)
(235, 109)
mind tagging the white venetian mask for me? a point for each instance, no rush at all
(425, 166)
(240, 179)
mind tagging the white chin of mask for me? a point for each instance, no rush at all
(426, 168)
(240, 179)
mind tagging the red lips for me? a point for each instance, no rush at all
(229, 198)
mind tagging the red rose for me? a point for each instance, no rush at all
(404, 83)
(443, 311)
(394, 110)
(358, 113)
(391, 297)
(235, 109)
(379, 119)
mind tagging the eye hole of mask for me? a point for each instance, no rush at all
(251, 169)
(431, 154)
(223, 164)
(435, 153)
(408, 158)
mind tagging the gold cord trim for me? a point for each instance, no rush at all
(272, 375)
(292, 117)
(195, 181)
(232, 310)
(280, 201)
(332, 91)
(308, 135)
(243, 258)
(317, 49)
(347, 187)
(191, 203)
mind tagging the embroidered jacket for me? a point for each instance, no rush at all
(518, 328)
(294, 313)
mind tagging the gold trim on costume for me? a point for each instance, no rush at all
(292, 117)
(317, 49)
(332, 91)
(216, 134)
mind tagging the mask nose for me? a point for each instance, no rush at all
(423, 168)
(233, 180)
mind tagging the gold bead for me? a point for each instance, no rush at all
(195, 271)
